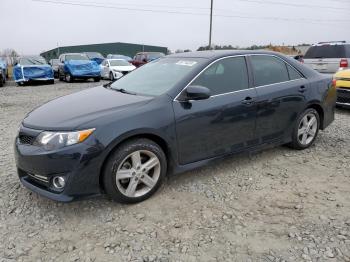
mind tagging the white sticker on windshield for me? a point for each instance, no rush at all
(186, 63)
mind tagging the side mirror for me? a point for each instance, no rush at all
(197, 93)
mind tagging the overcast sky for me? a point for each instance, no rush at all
(30, 26)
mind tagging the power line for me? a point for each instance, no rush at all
(296, 20)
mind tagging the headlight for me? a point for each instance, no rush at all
(57, 140)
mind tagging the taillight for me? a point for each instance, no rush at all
(344, 63)
(334, 82)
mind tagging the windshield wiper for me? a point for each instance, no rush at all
(122, 90)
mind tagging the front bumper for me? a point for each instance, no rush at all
(34, 79)
(79, 164)
(343, 96)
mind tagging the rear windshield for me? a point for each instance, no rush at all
(94, 55)
(76, 57)
(328, 51)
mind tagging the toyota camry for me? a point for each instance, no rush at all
(171, 115)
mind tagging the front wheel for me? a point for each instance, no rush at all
(111, 76)
(306, 129)
(69, 78)
(135, 171)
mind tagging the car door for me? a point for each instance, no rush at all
(225, 122)
(281, 91)
(105, 69)
(61, 71)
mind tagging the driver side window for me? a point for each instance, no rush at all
(224, 76)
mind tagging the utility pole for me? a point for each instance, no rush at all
(211, 22)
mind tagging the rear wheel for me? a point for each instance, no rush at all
(60, 76)
(135, 171)
(306, 129)
(2, 82)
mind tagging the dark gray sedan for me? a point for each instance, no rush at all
(171, 115)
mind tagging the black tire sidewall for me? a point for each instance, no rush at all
(295, 141)
(109, 179)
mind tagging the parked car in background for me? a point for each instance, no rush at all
(300, 58)
(115, 68)
(115, 56)
(32, 69)
(95, 56)
(145, 57)
(55, 64)
(328, 57)
(3, 72)
(342, 79)
(169, 116)
(78, 66)
(2, 78)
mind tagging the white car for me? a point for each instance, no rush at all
(115, 68)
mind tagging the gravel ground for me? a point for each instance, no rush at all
(277, 205)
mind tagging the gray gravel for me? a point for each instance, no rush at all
(277, 205)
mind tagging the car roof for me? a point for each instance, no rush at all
(214, 54)
(115, 59)
(332, 43)
(73, 54)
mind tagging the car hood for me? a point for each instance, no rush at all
(123, 68)
(69, 112)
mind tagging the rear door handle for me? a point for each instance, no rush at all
(302, 89)
(248, 101)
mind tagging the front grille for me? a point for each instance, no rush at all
(343, 96)
(26, 139)
(125, 72)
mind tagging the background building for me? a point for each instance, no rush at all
(105, 49)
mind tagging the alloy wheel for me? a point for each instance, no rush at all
(138, 173)
(307, 129)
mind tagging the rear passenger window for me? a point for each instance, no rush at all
(224, 76)
(293, 73)
(268, 70)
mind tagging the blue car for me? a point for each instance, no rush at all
(95, 56)
(74, 66)
(32, 69)
(3, 72)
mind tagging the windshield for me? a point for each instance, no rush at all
(76, 57)
(157, 77)
(153, 56)
(327, 51)
(32, 61)
(94, 55)
(119, 63)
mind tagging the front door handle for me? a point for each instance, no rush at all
(248, 101)
(302, 89)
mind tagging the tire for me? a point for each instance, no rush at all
(69, 78)
(2, 82)
(60, 77)
(121, 161)
(97, 79)
(304, 134)
(111, 76)
(20, 83)
(51, 82)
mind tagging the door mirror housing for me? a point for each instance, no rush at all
(197, 93)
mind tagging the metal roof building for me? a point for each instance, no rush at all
(105, 49)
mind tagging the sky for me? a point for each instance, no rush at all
(34, 26)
